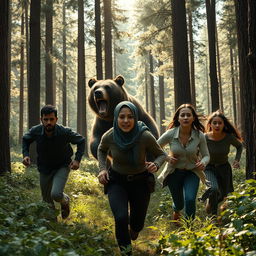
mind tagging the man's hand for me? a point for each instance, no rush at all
(103, 177)
(74, 165)
(26, 161)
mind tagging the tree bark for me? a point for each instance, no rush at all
(152, 103)
(192, 58)
(237, 91)
(108, 39)
(98, 40)
(211, 25)
(245, 85)
(64, 67)
(81, 92)
(21, 103)
(49, 90)
(146, 84)
(207, 86)
(161, 101)
(180, 53)
(252, 64)
(27, 48)
(233, 83)
(5, 164)
(219, 72)
(34, 67)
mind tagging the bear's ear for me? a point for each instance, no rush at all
(119, 80)
(92, 81)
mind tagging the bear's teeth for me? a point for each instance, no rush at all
(102, 106)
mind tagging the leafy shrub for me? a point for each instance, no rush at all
(82, 182)
(240, 216)
(236, 235)
(28, 226)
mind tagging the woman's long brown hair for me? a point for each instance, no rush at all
(228, 126)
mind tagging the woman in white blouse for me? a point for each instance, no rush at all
(186, 166)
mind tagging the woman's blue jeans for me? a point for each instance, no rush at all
(183, 185)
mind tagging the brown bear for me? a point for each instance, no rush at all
(103, 98)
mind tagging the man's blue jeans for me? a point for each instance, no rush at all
(183, 185)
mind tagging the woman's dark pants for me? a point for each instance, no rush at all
(129, 202)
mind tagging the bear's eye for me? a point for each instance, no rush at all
(107, 87)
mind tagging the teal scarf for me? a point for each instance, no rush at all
(127, 140)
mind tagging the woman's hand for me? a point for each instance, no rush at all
(151, 167)
(103, 177)
(236, 164)
(200, 166)
(172, 159)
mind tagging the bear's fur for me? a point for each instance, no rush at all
(103, 98)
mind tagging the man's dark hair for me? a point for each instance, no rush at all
(48, 109)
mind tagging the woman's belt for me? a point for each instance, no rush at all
(128, 177)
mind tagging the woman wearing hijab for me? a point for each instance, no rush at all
(128, 143)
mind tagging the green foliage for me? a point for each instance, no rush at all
(240, 216)
(235, 234)
(28, 226)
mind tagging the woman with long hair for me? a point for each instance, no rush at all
(220, 135)
(186, 166)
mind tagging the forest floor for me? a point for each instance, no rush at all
(89, 230)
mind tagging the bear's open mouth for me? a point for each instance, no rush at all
(102, 107)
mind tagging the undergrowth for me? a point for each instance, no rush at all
(28, 226)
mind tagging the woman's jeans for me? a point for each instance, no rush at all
(53, 184)
(183, 185)
(123, 194)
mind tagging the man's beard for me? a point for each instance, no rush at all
(49, 128)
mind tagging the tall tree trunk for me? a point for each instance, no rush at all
(114, 44)
(49, 92)
(233, 83)
(98, 40)
(207, 87)
(180, 53)
(146, 84)
(252, 64)
(211, 25)
(161, 100)
(10, 47)
(152, 103)
(34, 57)
(242, 36)
(54, 82)
(245, 83)
(21, 104)
(81, 92)
(237, 92)
(108, 39)
(34, 74)
(27, 50)
(64, 67)
(5, 163)
(192, 59)
(219, 71)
